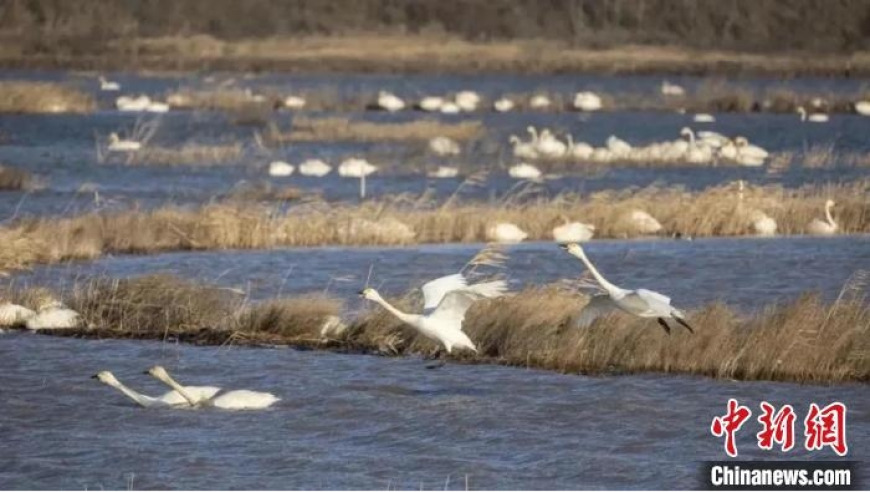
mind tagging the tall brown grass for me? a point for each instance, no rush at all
(187, 154)
(805, 340)
(43, 97)
(339, 129)
(15, 179)
(712, 212)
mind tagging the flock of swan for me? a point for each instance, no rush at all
(467, 101)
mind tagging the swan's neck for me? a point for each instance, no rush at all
(534, 134)
(570, 141)
(691, 136)
(139, 398)
(829, 216)
(407, 318)
(613, 290)
(180, 389)
(803, 113)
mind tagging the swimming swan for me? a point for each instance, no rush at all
(53, 315)
(168, 399)
(825, 227)
(231, 400)
(14, 314)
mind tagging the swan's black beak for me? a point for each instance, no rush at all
(146, 371)
(361, 293)
(95, 376)
(564, 246)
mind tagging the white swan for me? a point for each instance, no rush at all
(863, 108)
(53, 315)
(825, 227)
(450, 107)
(280, 169)
(390, 102)
(14, 314)
(762, 224)
(445, 301)
(116, 144)
(157, 107)
(108, 85)
(524, 171)
(314, 167)
(444, 172)
(587, 101)
(467, 100)
(669, 89)
(431, 103)
(580, 151)
(641, 302)
(549, 146)
(506, 233)
(523, 150)
(539, 101)
(129, 103)
(444, 146)
(231, 400)
(812, 117)
(643, 222)
(704, 118)
(618, 147)
(294, 102)
(573, 232)
(503, 105)
(169, 399)
(355, 168)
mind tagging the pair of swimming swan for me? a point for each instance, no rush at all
(191, 396)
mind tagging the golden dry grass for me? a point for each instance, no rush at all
(15, 179)
(712, 212)
(805, 340)
(186, 155)
(345, 129)
(43, 97)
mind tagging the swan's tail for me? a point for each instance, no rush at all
(490, 290)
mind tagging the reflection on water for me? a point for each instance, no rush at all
(351, 421)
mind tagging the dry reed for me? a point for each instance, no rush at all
(43, 97)
(15, 179)
(805, 340)
(188, 154)
(345, 129)
(712, 212)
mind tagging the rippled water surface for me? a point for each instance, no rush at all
(350, 421)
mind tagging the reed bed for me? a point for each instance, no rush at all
(43, 97)
(713, 212)
(805, 340)
(188, 154)
(345, 129)
(13, 179)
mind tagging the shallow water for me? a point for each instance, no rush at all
(746, 272)
(351, 421)
(61, 148)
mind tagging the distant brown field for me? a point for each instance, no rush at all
(43, 97)
(345, 129)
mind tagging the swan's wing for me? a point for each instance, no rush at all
(435, 290)
(453, 307)
(649, 296)
(489, 290)
(199, 393)
(599, 305)
(656, 304)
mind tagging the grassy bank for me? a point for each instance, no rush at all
(337, 129)
(712, 212)
(43, 97)
(804, 340)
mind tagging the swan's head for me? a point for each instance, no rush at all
(369, 293)
(741, 141)
(106, 377)
(801, 111)
(685, 131)
(158, 372)
(574, 249)
(829, 204)
(113, 137)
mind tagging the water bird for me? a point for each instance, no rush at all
(169, 399)
(230, 400)
(280, 169)
(157, 107)
(14, 314)
(130, 103)
(704, 118)
(390, 102)
(444, 146)
(108, 85)
(503, 105)
(811, 117)
(450, 107)
(587, 101)
(669, 89)
(825, 227)
(506, 233)
(53, 315)
(355, 168)
(573, 232)
(539, 101)
(523, 150)
(524, 171)
(431, 103)
(444, 172)
(445, 301)
(294, 102)
(863, 108)
(639, 302)
(643, 222)
(116, 144)
(762, 224)
(467, 100)
(314, 167)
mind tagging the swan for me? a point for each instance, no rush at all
(618, 147)
(53, 315)
(108, 85)
(280, 169)
(704, 118)
(669, 89)
(355, 168)
(863, 108)
(170, 399)
(294, 102)
(231, 400)
(641, 302)
(825, 227)
(332, 326)
(523, 150)
(256, 98)
(157, 107)
(587, 101)
(748, 154)
(506, 233)
(644, 223)
(580, 151)
(695, 152)
(14, 314)
(445, 301)
(524, 171)
(450, 107)
(390, 102)
(573, 232)
(762, 224)
(602, 154)
(539, 101)
(549, 146)
(431, 103)
(812, 117)
(712, 139)
(314, 167)
(503, 105)
(467, 100)
(129, 103)
(444, 172)
(444, 146)
(118, 145)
